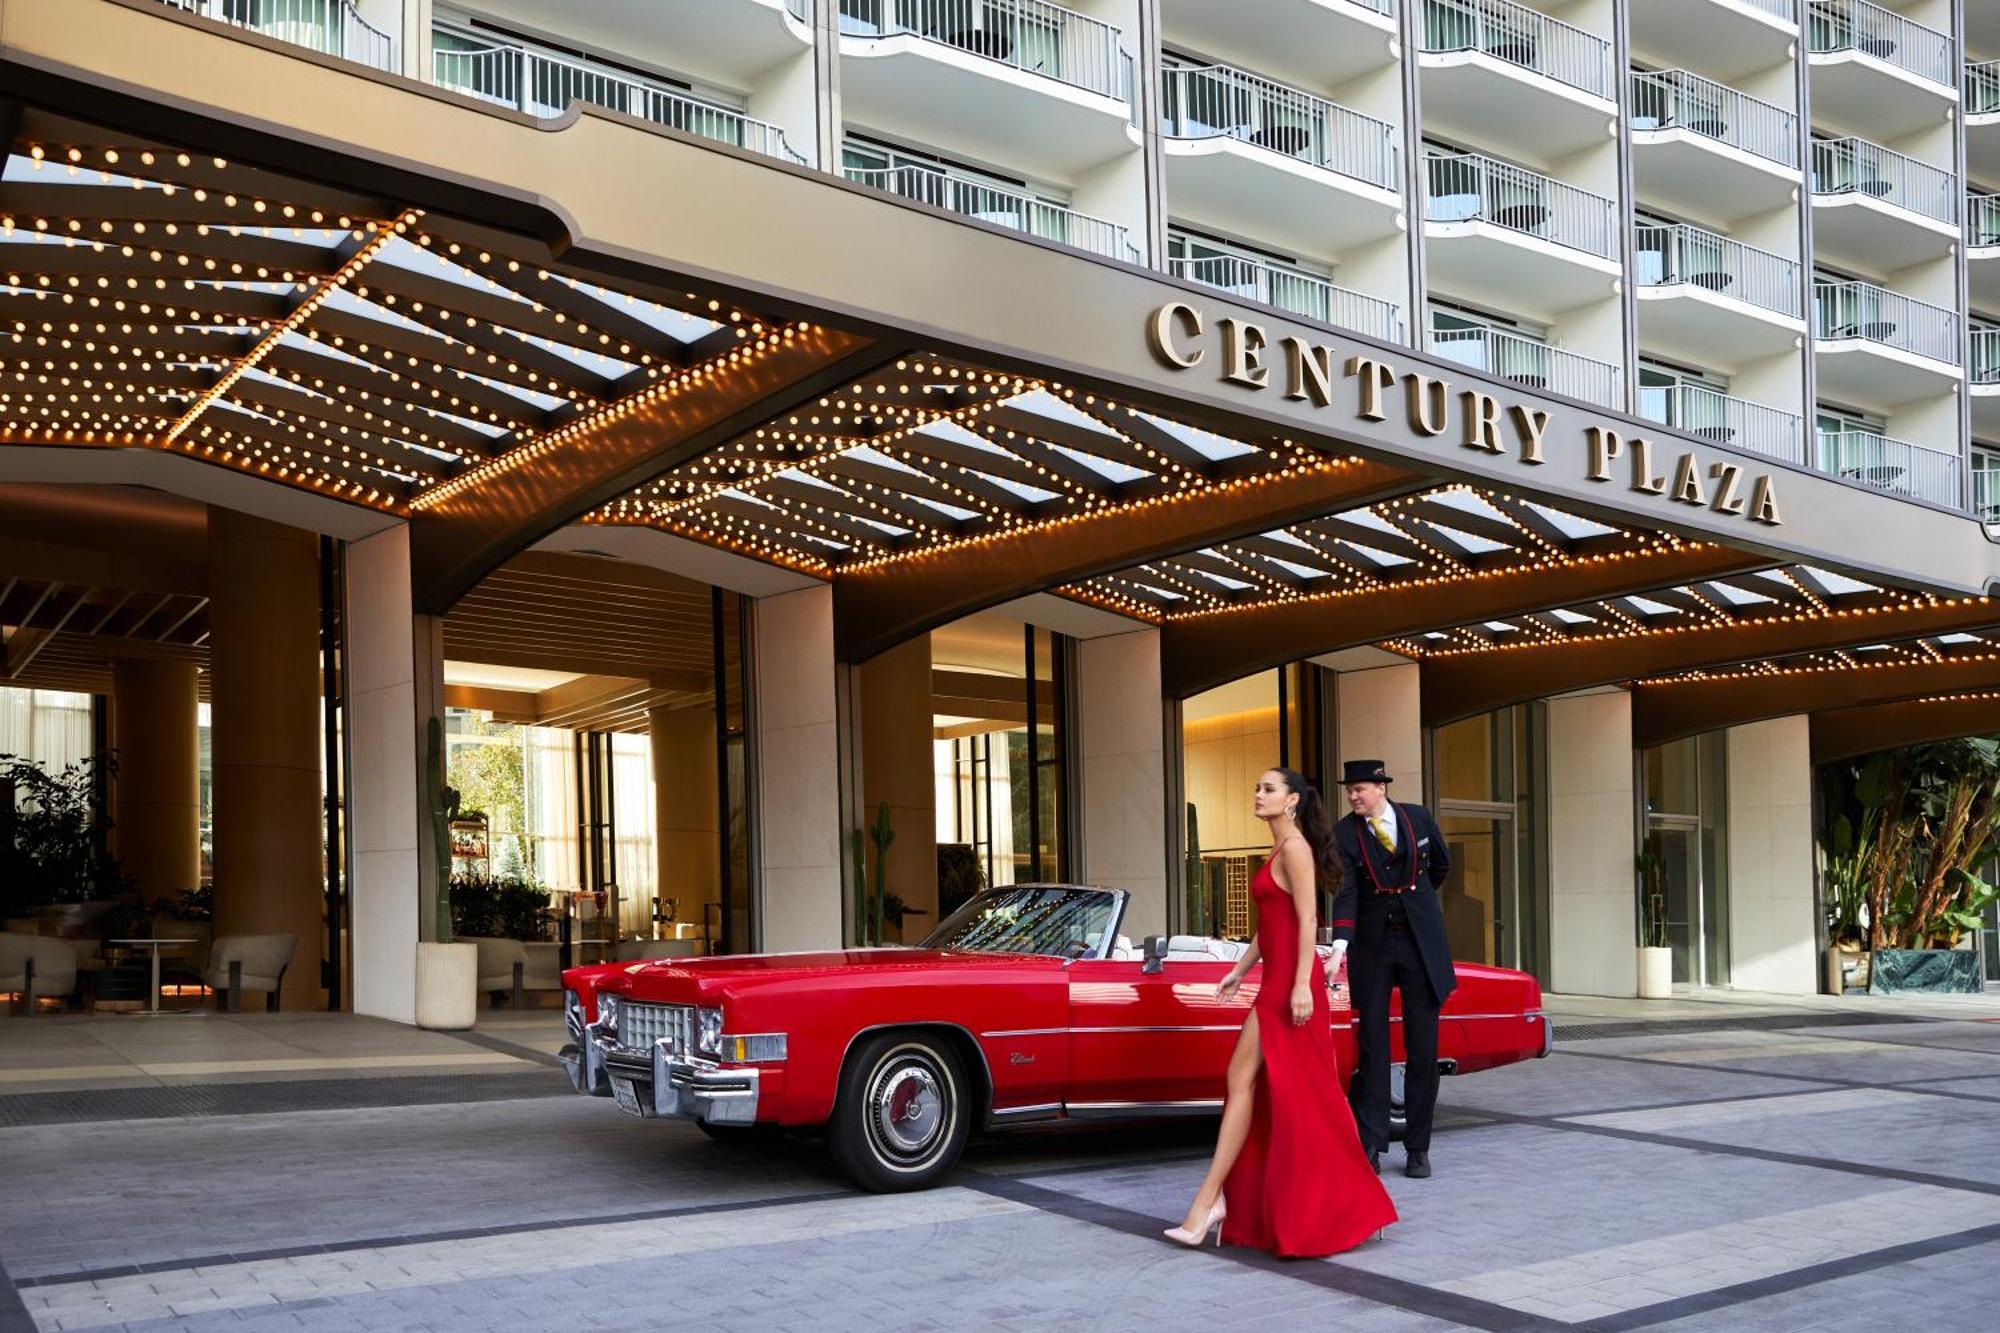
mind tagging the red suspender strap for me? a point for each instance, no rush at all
(1409, 834)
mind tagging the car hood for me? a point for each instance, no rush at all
(687, 980)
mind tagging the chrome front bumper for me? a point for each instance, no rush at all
(656, 1082)
(1548, 1033)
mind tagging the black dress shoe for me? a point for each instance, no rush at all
(1375, 1161)
(1417, 1165)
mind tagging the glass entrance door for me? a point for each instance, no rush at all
(1684, 787)
(1481, 897)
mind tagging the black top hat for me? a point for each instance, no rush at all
(1364, 770)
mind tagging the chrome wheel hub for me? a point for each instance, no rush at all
(906, 1108)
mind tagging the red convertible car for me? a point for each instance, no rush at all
(1025, 1005)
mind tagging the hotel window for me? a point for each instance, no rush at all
(1490, 782)
(1690, 399)
(1254, 274)
(1848, 440)
(1229, 736)
(1986, 482)
(1493, 343)
(1684, 801)
(999, 726)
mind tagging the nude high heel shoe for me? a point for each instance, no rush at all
(1212, 1224)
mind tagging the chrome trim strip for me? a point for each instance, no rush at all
(1142, 1110)
(1024, 1032)
(1204, 1027)
(1019, 1112)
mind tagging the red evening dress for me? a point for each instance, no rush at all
(1302, 1187)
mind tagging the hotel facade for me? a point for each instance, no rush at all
(1011, 425)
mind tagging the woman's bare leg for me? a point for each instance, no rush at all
(1240, 1100)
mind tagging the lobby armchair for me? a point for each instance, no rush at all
(237, 963)
(32, 966)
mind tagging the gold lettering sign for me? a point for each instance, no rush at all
(1483, 420)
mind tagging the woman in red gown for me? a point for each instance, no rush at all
(1289, 1174)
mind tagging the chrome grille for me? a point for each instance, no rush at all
(640, 1025)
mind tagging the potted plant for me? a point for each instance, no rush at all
(1656, 958)
(53, 863)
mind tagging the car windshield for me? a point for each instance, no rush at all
(1057, 920)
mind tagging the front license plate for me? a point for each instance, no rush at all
(627, 1096)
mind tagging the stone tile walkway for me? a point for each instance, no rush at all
(1765, 1165)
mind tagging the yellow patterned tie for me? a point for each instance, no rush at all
(1380, 825)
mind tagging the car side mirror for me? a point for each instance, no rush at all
(1155, 950)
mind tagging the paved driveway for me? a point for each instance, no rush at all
(1739, 1170)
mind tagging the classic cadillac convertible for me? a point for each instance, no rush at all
(1025, 1005)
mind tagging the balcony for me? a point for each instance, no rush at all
(1982, 119)
(1526, 361)
(1013, 209)
(1986, 494)
(1290, 290)
(1982, 248)
(1728, 38)
(1701, 145)
(1896, 466)
(1320, 42)
(1506, 237)
(1879, 349)
(543, 83)
(1986, 381)
(1714, 300)
(1016, 81)
(1514, 78)
(1713, 415)
(1247, 155)
(331, 27)
(1878, 209)
(734, 43)
(1873, 69)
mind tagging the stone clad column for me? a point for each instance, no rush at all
(1121, 749)
(263, 711)
(687, 821)
(1593, 882)
(798, 770)
(898, 768)
(158, 810)
(1773, 909)
(1379, 715)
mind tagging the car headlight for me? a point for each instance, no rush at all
(708, 1031)
(757, 1048)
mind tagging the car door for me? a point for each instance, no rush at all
(1141, 1042)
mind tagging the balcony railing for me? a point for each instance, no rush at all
(1861, 310)
(1985, 491)
(1525, 361)
(1288, 289)
(1856, 25)
(1030, 35)
(543, 83)
(1520, 36)
(1677, 100)
(1215, 101)
(1982, 219)
(1671, 256)
(1784, 9)
(1982, 87)
(1856, 166)
(331, 27)
(1890, 465)
(1985, 354)
(1379, 6)
(1469, 188)
(1713, 415)
(1015, 209)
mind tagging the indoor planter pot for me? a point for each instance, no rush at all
(1846, 966)
(1656, 974)
(447, 985)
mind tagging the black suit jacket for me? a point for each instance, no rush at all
(1360, 913)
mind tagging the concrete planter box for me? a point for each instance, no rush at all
(447, 986)
(1656, 974)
